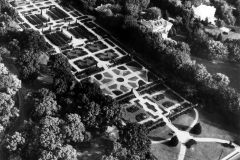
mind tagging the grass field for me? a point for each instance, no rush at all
(184, 121)
(213, 126)
(214, 30)
(160, 133)
(207, 151)
(164, 152)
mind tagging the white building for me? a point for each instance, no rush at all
(160, 25)
(204, 11)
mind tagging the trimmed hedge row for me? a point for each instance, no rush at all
(88, 72)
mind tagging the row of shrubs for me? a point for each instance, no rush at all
(88, 72)
(57, 39)
(119, 61)
(152, 87)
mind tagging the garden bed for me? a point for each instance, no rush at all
(159, 97)
(141, 116)
(107, 55)
(75, 53)
(132, 109)
(168, 104)
(86, 62)
(96, 46)
(149, 106)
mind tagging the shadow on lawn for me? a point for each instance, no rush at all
(156, 138)
(181, 127)
(216, 120)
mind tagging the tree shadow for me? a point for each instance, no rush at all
(156, 138)
(181, 127)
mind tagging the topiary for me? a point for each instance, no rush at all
(173, 142)
(197, 129)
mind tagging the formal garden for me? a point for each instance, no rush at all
(98, 57)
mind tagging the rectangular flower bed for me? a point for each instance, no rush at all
(42, 18)
(36, 19)
(56, 36)
(54, 11)
(53, 16)
(64, 36)
(86, 62)
(31, 20)
(75, 33)
(53, 40)
(77, 13)
(62, 12)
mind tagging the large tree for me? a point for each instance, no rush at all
(134, 138)
(8, 111)
(153, 13)
(29, 65)
(73, 128)
(32, 40)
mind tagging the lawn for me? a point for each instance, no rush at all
(184, 121)
(215, 30)
(160, 133)
(207, 151)
(214, 126)
(165, 152)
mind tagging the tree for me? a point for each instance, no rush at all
(166, 15)
(73, 128)
(220, 23)
(13, 145)
(197, 129)
(8, 111)
(14, 48)
(216, 50)
(67, 152)
(9, 83)
(3, 69)
(234, 49)
(134, 138)
(32, 40)
(144, 3)
(131, 9)
(221, 79)
(61, 72)
(220, 37)
(49, 133)
(153, 13)
(47, 106)
(58, 63)
(29, 65)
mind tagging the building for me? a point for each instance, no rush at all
(205, 12)
(159, 25)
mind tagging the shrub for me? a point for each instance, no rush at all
(197, 129)
(173, 142)
(190, 143)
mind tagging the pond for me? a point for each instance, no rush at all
(230, 70)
